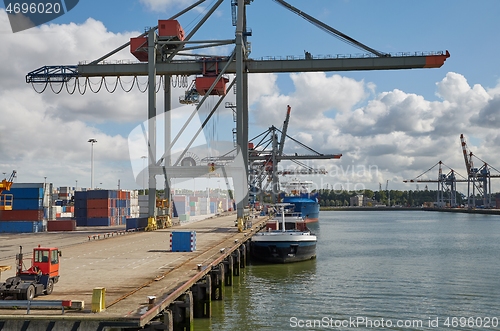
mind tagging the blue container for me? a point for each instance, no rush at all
(79, 212)
(26, 193)
(183, 241)
(136, 223)
(21, 227)
(27, 204)
(81, 221)
(81, 195)
(99, 221)
(102, 194)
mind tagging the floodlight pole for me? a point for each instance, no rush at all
(92, 141)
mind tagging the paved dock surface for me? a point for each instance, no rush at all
(129, 266)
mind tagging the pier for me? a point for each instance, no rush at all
(133, 280)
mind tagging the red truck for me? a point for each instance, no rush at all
(38, 279)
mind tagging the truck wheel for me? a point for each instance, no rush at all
(50, 287)
(29, 294)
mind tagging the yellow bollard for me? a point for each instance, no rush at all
(240, 224)
(98, 299)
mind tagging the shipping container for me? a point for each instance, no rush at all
(26, 192)
(21, 215)
(99, 203)
(102, 194)
(101, 221)
(183, 241)
(137, 223)
(81, 195)
(98, 213)
(28, 185)
(81, 221)
(62, 225)
(27, 204)
(21, 227)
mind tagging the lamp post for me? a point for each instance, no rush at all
(92, 141)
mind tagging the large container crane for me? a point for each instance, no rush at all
(169, 54)
(447, 185)
(267, 152)
(478, 179)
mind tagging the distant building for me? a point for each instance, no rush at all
(359, 201)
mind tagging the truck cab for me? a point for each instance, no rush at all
(46, 260)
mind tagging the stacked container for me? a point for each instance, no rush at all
(65, 194)
(26, 215)
(81, 208)
(134, 204)
(143, 205)
(193, 206)
(181, 205)
(204, 206)
(102, 207)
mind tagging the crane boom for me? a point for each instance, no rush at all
(329, 29)
(467, 156)
(285, 128)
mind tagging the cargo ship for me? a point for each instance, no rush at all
(285, 239)
(297, 193)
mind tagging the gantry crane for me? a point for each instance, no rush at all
(6, 200)
(166, 51)
(478, 179)
(447, 185)
(266, 153)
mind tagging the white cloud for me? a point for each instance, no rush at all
(165, 5)
(45, 135)
(400, 134)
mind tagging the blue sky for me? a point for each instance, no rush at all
(402, 122)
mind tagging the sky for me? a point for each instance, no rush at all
(389, 125)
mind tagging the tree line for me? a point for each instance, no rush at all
(334, 198)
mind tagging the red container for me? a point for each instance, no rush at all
(98, 213)
(203, 85)
(170, 28)
(70, 209)
(99, 203)
(139, 48)
(65, 225)
(21, 215)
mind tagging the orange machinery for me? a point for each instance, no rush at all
(6, 199)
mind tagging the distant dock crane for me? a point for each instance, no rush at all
(478, 179)
(447, 185)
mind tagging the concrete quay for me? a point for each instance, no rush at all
(143, 285)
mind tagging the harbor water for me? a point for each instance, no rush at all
(382, 270)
